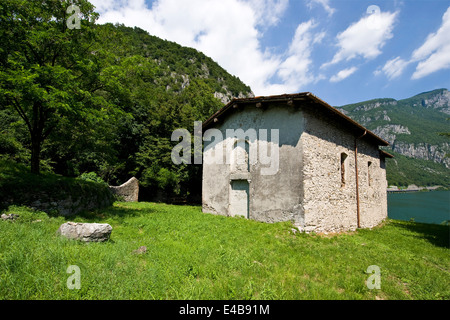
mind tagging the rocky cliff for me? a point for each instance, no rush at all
(412, 126)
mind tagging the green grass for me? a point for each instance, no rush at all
(191, 255)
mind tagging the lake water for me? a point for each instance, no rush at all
(427, 207)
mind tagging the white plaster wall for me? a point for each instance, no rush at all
(272, 197)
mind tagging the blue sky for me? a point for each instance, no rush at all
(343, 51)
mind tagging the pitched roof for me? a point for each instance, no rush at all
(306, 99)
(386, 154)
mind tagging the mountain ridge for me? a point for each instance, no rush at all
(413, 127)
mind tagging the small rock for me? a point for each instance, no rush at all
(309, 229)
(10, 216)
(257, 262)
(141, 250)
(87, 232)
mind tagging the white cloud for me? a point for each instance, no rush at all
(393, 68)
(434, 53)
(343, 74)
(227, 31)
(364, 38)
(268, 12)
(324, 3)
(295, 69)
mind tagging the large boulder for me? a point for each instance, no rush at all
(129, 191)
(87, 232)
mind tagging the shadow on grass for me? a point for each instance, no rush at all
(438, 235)
(113, 212)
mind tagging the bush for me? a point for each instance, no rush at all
(92, 177)
(20, 187)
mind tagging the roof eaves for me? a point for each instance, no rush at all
(286, 97)
(386, 154)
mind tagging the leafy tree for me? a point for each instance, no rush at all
(102, 98)
(48, 71)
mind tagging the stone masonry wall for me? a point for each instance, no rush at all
(128, 192)
(328, 205)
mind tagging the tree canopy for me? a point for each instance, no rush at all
(100, 98)
(47, 70)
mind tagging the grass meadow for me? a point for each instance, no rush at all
(191, 255)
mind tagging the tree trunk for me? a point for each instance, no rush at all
(35, 154)
(36, 136)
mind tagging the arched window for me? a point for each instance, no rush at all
(240, 156)
(369, 173)
(343, 168)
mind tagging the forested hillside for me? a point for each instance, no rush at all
(415, 128)
(106, 99)
(102, 98)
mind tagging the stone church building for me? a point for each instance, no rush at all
(293, 158)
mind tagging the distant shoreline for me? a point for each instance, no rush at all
(412, 188)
